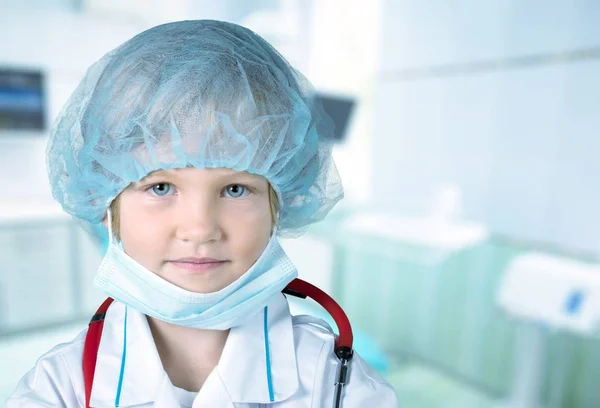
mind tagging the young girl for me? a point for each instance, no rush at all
(196, 145)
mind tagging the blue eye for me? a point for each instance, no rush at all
(236, 191)
(161, 189)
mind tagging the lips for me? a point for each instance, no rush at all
(195, 265)
(199, 261)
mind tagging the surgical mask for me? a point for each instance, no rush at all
(125, 280)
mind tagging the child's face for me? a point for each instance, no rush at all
(196, 213)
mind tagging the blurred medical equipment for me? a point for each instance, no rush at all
(298, 288)
(47, 263)
(546, 293)
(422, 246)
(22, 100)
(35, 255)
(417, 267)
(432, 244)
(340, 109)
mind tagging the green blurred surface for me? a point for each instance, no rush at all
(378, 283)
(420, 387)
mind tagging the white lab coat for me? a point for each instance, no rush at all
(302, 366)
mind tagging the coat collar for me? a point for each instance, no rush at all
(250, 369)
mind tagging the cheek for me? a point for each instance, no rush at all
(249, 233)
(141, 235)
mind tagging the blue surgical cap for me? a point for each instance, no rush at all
(200, 93)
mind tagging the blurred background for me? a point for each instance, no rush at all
(466, 252)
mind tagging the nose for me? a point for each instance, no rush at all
(198, 222)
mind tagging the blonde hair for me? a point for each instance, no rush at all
(116, 216)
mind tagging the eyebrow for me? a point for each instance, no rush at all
(158, 173)
(239, 175)
(243, 175)
(155, 173)
(150, 176)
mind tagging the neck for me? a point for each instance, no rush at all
(188, 355)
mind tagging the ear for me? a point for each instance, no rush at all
(105, 220)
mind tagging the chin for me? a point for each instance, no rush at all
(206, 287)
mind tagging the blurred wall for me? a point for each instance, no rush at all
(492, 97)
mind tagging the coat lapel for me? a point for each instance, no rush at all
(258, 364)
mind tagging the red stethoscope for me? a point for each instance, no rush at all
(298, 287)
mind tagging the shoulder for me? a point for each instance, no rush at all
(318, 365)
(55, 380)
